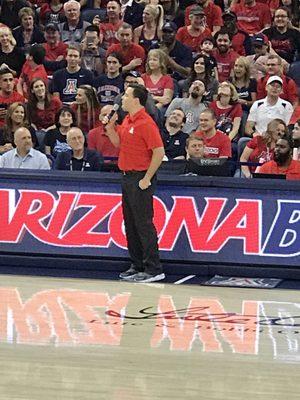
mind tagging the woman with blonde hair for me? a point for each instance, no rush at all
(228, 110)
(261, 148)
(244, 85)
(10, 55)
(156, 79)
(149, 34)
(16, 117)
(86, 108)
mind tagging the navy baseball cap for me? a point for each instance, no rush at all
(169, 27)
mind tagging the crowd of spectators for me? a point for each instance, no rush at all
(223, 80)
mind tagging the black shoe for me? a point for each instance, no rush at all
(143, 277)
(127, 274)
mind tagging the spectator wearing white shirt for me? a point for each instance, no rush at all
(24, 156)
(265, 110)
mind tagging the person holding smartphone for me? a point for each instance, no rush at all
(92, 55)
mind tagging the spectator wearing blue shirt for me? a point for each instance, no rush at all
(66, 81)
(173, 137)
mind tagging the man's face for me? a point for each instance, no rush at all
(113, 65)
(23, 140)
(128, 101)
(7, 83)
(274, 89)
(206, 122)
(113, 9)
(129, 80)
(195, 149)
(72, 12)
(52, 36)
(125, 37)
(92, 39)
(273, 67)
(282, 151)
(75, 139)
(198, 21)
(168, 37)
(197, 89)
(223, 43)
(105, 111)
(175, 119)
(73, 58)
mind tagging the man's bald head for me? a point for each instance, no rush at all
(23, 140)
(75, 138)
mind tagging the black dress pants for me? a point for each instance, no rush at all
(138, 218)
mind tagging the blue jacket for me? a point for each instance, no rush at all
(92, 161)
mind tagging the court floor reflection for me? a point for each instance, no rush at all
(85, 339)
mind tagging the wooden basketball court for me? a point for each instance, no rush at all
(93, 339)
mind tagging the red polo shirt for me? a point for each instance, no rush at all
(99, 141)
(128, 54)
(139, 135)
(213, 15)
(292, 172)
(217, 146)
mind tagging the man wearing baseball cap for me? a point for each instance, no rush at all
(193, 34)
(55, 49)
(265, 110)
(274, 67)
(213, 14)
(241, 42)
(180, 57)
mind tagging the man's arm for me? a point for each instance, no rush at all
(157, 157)
(110, 129)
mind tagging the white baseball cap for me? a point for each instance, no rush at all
(274, 78)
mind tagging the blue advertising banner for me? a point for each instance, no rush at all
(206, 221)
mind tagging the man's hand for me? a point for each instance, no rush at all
(8, 146)
(136, 62)
(97, 21)
(144, 183)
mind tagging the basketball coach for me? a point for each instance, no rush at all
(141, 153)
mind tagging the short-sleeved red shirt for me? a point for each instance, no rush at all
(261, 153)
(58, 49)
(230, 112)
(128, 54)
(139, 135)
(29, 73)
(42, 119)
(193, 42)
(252, 19)
(213, 15)
(109, 31)
(99, 141)
(157, 88)
(225, 63)
(292, 172)
(217, 146)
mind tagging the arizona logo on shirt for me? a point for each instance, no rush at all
(71, 87)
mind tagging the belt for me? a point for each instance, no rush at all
(133, 172)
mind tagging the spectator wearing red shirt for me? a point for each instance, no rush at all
(282, 164)
(227, 110)
(52, 11)
(8, 94)
(158, 83)
(109, 29)
(212, 12)
(193, 34)
(217, 144)
(33, 68)
(56, 50)
(252, 17)
(260, 149)
(133, 55)
(289, 88)
(223, 54)
(98, 139)
(141, 153)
